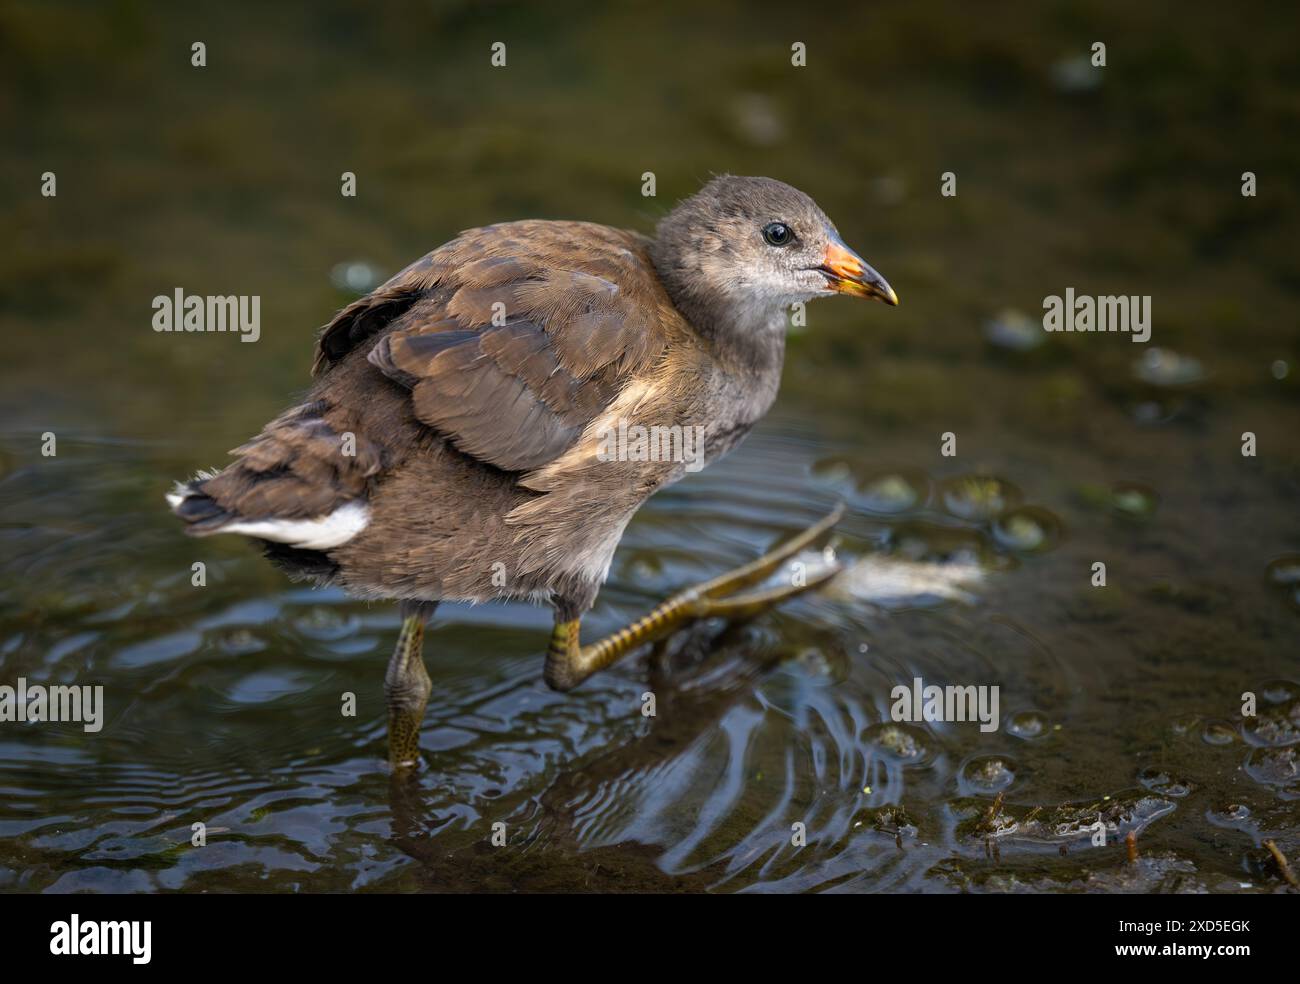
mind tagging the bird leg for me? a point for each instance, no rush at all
(407, 687)
(568, 662)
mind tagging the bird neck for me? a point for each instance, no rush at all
(747, 336)
(747, 333)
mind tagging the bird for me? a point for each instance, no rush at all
(455, 442)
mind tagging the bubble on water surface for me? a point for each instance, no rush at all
(1276, 767)
(903, 743)
(1273, 725)
(1133, 501)
(1184, 724)
(1027, 529)
(815, 662)
(1218, 733)
(978, 497)
(1160, 781)
(835, 470)
(987, 774)
(1279, 691)
(1229, 814)
(1028, 725)
(884, 492)
(1284, 573)
(891, 493)
(240, 642)
(326, 624)
(1164, 367)
(1014, 330)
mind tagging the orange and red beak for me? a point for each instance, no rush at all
(848, 273)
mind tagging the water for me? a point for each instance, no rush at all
(1119, 704)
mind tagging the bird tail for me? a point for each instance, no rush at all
(298, 482)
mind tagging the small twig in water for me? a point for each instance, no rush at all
(1282, 864)
(1131, 842)
(994, 809)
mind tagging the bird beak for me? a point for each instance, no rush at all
(848, 273)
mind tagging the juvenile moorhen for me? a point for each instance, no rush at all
(455, 442)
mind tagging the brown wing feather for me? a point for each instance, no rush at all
(514, 337)
(515, 387)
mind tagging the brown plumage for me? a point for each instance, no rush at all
(450, 447)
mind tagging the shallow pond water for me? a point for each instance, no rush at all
(1120, 706)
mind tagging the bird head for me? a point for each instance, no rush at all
(748, 248)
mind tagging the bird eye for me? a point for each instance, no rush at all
(778, 234)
